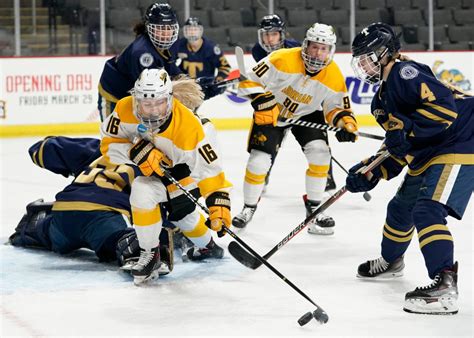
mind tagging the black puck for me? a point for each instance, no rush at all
(305, 319)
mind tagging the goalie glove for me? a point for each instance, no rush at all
(219, 211)
(266, 109)
(149, 159)
(349, 126)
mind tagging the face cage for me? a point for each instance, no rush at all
(192, 38)
(313, 64)
(153, 122)
(162, 42)
(266, 47)
(367, 68)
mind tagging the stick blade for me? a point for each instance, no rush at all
(320, 315)
(243, 256)
(239, 55)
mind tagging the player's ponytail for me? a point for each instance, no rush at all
(139, 29)
(188, 92)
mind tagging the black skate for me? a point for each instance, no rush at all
(438, 298)
(147, 266)
(380, 269)
(321, 224)
(244, 217)
(212, 250)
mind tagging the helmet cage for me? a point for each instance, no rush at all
(314, 64)
(158, 34)
(193, 32)
(271, 48)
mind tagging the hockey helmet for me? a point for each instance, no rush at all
(269, 24)
(318, 47)
(370, 46)
(193, 29)
(162, 25)
(152, 97)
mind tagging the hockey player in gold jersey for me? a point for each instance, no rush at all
(303, 83)
(152, 130)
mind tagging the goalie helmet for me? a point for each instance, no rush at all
(162, 25)
(370, 46)
(315, 57)
(193, 29)
(152, 98)
(271, 23)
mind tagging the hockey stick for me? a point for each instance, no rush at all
(319, 314)
(253, 262)
(239, 55)
(366, 195)
(315, 125)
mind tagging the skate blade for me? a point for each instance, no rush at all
(239, 224)
(442, 306)
(383, 276)
(321, 231)
(140, 280)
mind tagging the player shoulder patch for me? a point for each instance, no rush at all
(217, 50)
(146, 59)
(408, 72)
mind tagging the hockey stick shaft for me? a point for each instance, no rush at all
(241, 242)
(315, 125)
(366, 195)
(253, 263)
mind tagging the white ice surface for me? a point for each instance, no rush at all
(48, 295)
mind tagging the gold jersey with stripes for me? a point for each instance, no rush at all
(184, 141)
(297, 93)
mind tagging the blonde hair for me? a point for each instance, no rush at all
(188, 92)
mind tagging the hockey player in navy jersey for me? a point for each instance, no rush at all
(92, 212)
(271, 37)
(150, 49)
(200, 57)
(429, 128)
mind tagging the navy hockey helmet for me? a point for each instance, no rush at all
(370, 46)
(193, 29)
(271, 23)
(162, 25)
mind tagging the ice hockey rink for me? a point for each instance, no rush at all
(43, 294)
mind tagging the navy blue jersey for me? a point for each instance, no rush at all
(202, 63)
(98, 185)
(259, 53)
(121, 71)
(439, 126)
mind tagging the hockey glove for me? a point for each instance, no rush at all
(219, 211)
(266, 109)
(209, 88)
(149, 159)
(349, 125)
(397, 143)
(356, 182)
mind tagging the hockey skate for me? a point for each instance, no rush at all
(212, 250)
(380, 269)
(438, 298)
(244, 217)
(147, 267)
(321, 224)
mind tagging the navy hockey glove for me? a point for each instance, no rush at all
(209, 87)
(397, 143)
(356, 182)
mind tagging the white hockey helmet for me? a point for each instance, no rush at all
(152, 97)
(322, 34)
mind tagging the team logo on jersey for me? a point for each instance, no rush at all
(217, 50)
(378, 112)
(408, 72)
(258, 139)
(146, 59)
